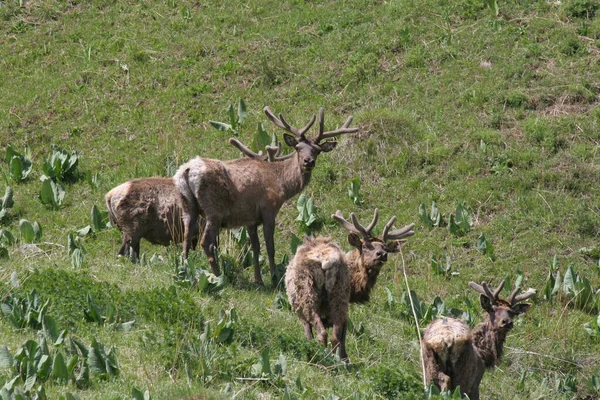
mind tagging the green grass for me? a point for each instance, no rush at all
(455, 103)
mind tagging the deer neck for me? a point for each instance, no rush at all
(489, 342)
(362, 282)
(292, 178)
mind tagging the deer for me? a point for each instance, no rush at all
(148, 208)
(249, 191)
(321, 280)
(454, 355)
(151, 208)
(370, 252)
(317, 283)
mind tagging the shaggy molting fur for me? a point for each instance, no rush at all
(148, 208)
(318, 287)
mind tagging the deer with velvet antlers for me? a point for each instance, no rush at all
(370, 253)
(249, 191)
(321, 280)
(455, 355)
(151, 208)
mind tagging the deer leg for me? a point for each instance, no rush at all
(135, 247)
(269, 232)
(124, 250)
(308, 330)
(190, 226)
(253, 234)
(339, 339)
(200, 227)
(209, 244)
(321, 331)
(434, 370)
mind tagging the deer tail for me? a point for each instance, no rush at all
(111, 212)
(182, 182)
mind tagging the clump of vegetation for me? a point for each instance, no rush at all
(6, 202)
(516, 100)
(61, 166)
(52, 194)
(30, 231)
(433, 218)
(577, 288)
(235, 120)
(390, 382)
(307, 212)
(581, 8)
(543, 133)
(68, 293)
(19, 165)
(354, 192)
(461, 222)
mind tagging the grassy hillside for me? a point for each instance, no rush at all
(490, 105)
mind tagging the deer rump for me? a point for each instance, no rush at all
(450, 356)
(318, 286)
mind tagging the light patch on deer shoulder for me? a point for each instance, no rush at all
(328, 257)
(447, 337)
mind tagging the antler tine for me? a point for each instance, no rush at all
(499, 288)
(274, 152)
(398, 233)
(282, 123)
(482, 289)
(347, 225)
(325, 135)
(373, 222)
(365, 233)
(488, 292)
(523, 296)
(514, 299)
(387, 227)
(240, 146)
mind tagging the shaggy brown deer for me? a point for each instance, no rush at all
(148, 208)
(455, 355)
(249, 191)
(366, 261)
(317, 282)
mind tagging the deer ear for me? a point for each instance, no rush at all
(521, 309)
(355, 241)
(290, 140)
(393, 247)
(326, 147)
(486, 304)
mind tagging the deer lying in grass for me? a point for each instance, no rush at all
(455, 355)
(317, 282)
(249, 191)
(148, 208)
(366, 261)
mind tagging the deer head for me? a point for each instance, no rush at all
(374, 250)
(309, 149)
(501, 312)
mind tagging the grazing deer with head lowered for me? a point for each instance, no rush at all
(148, 208)
(455, 355)
(249, 191)
(366, 261)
